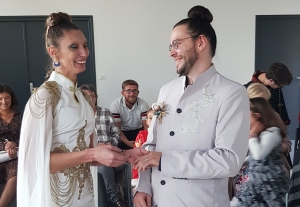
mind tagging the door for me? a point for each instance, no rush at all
(24, 58)
(278, 40)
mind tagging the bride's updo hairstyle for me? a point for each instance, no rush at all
(198, 23)
(57, 24)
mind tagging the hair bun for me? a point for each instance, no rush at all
(56, 18)
(201, 13)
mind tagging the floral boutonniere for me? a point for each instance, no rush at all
(159, 110)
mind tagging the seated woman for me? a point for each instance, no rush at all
(10, 125)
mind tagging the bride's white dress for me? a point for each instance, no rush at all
(57, 118)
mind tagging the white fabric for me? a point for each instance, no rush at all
(203, 139)
(41, 134)
(5, 157)
(261, 147)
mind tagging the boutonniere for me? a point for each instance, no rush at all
(159, 110)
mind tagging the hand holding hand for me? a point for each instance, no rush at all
(108, 155)
(152, 159)
(133, 154)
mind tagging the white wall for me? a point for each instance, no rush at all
(132, 36)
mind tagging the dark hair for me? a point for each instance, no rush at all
(198, 23)
(7, 89)
(89, 87)
(129, 82)
(268, 116)
(280, 74)
(57, 24)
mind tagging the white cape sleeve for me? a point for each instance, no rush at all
(33, 180)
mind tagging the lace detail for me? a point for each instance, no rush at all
(193, 110)
(40, 100)
(63, 192)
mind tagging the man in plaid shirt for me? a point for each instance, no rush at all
(107, 133)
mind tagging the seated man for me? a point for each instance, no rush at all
(129, 113)
(107, 133)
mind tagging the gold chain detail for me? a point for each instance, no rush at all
(76, 176)
(54, 91)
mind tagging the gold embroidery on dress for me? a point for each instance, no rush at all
(40, 102)
(63, 191)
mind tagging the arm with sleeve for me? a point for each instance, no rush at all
(114, 131)
(261, 147)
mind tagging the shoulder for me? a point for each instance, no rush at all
(272, 131)
(48, 94)
(18, 114)
(98, 108)
(174, 83)
(225, 87)
(248, 84)
(48, 90)
(142, 102)
(117, 102)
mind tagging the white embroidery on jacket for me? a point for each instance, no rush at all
(193, 110)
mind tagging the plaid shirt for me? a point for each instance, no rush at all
(107, 131)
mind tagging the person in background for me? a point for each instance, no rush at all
(275, 78)
(10, 125)
(141, 138)
(259, 90)
(107, 133)
(268, 184)
(129, 112)
(195, 136)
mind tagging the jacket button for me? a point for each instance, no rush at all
(172, 133)
(179, 110)
(162, 182)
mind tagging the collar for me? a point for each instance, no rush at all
(135, 104)
(255, 76)
(206, 75)
(63, 81)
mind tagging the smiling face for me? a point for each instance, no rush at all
(5, 101)
(72, 53)
(130, 93)
(185, 55)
